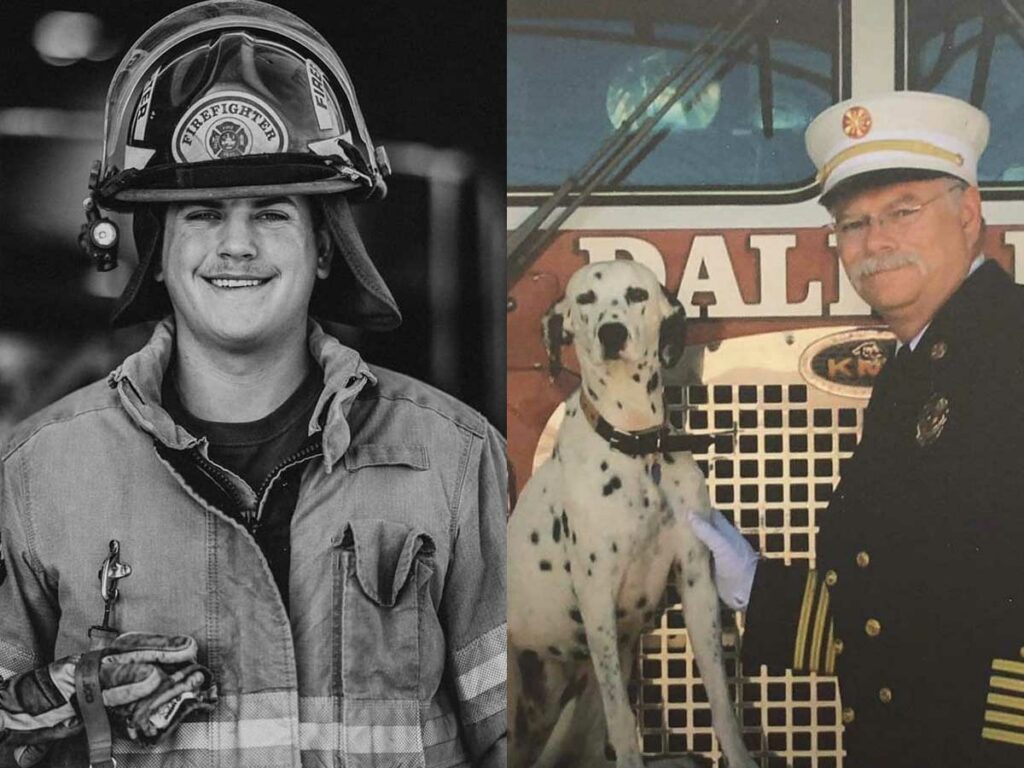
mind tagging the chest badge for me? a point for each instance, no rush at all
(932, 420)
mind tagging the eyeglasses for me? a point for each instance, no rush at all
(896, 222)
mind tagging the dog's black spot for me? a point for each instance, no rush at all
(642, 365)
(648, 616)
(635, 295)
(593, 557)
(551, 509)
(653, 409)
(534, 537)
(609, 752)
(572, 690)
(589, 572)
(565, 523)
(615, 302)
(574, 537)
(597, 275)
(568, 567)
(545, 565)
(554, 453)
(600, 317)
(641, 602)
(531, 669)
(554, 650)
(618, 405)
(690, 581)
(602, 382)
(576, 616)
(620, 613)
(636, 377)
(587, 297)
(647, 502)
(615, 547)
(556, 529)
(522, 725)
(591, 393)
(581, 637)
(643, 311)
(604, 466)
(652, 383)
(612, 485)
(580, 654)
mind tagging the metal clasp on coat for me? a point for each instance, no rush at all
(112, 570)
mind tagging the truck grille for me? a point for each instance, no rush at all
(773, 481)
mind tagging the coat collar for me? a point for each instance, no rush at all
(139, 378)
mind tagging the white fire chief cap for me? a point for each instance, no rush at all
(901, 130)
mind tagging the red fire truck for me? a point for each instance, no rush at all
(672, 134)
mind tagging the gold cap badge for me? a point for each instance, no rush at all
(856, 122)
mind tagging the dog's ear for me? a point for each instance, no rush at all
(555, 335)
(672, 334)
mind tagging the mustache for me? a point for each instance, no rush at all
(874, 264)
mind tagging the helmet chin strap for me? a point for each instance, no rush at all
(99, 236)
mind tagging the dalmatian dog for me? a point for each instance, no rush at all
(595, 535)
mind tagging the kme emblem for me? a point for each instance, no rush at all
(932, 420)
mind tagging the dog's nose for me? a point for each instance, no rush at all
(613, 338)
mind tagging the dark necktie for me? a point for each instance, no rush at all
(903, 358)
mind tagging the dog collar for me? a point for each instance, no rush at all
(645, 441)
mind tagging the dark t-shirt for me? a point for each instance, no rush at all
(254, 450)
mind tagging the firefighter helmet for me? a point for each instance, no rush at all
(227, 97)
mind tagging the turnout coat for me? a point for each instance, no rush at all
(393, 650)
(917, 600)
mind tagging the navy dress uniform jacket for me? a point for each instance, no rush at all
(917, 601)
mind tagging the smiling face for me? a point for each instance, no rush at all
(907, 268)
(240, 272)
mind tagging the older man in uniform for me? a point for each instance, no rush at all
(917, 601)
(301, 556)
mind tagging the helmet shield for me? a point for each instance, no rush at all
(232, 98)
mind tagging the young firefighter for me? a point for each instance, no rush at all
(317, 545)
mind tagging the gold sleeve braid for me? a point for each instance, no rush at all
(808, 657)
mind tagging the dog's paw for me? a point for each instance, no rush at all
(676, 762)
(745, 762)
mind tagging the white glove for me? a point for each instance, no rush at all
(735, 560)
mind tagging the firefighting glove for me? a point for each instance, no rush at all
(735, 561)
(149, 684)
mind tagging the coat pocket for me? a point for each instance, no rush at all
(381, 575)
